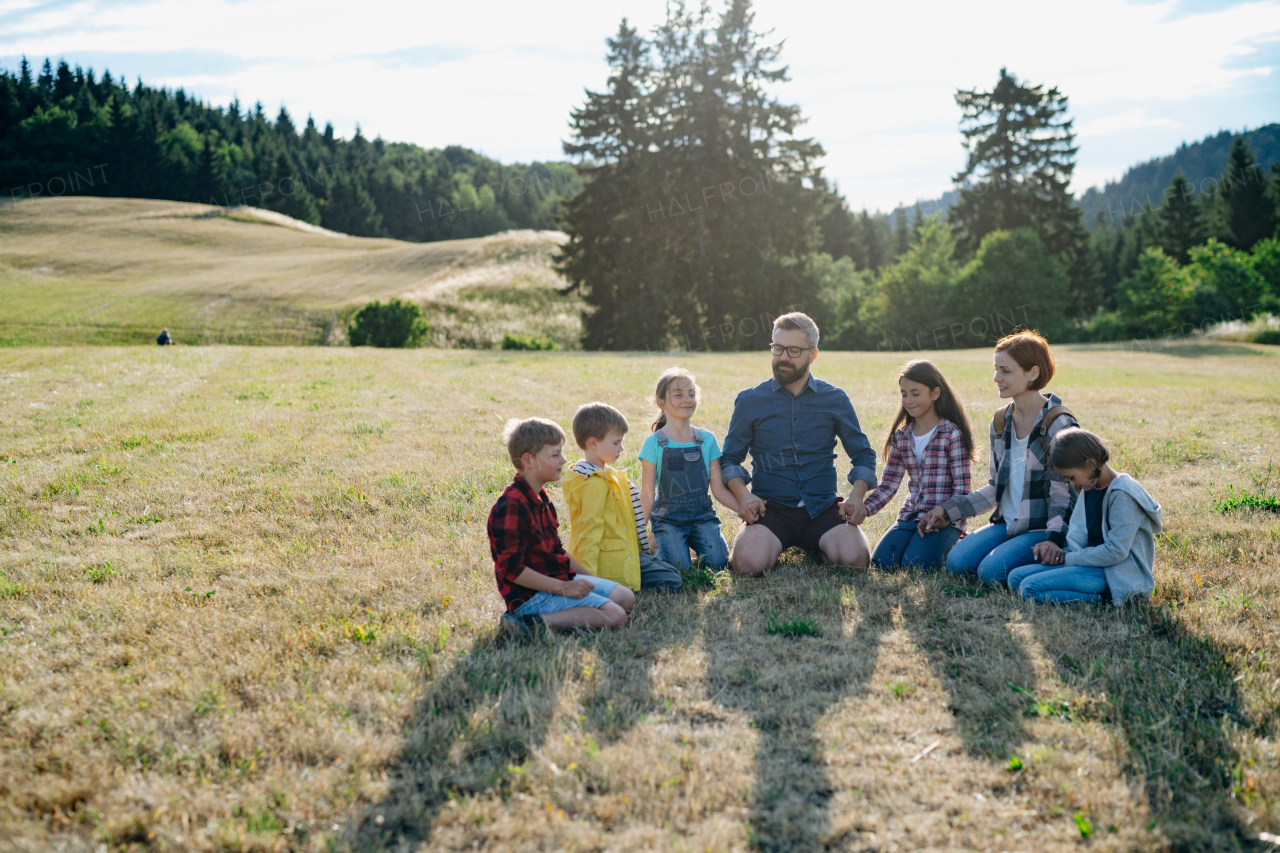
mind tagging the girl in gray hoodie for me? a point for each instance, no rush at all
(1111, 536)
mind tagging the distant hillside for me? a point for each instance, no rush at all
(1202, 162)
(114, 271)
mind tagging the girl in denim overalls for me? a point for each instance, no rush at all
(683, 462)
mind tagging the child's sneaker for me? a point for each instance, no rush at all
(523, 625)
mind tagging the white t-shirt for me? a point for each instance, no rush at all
(922, 441)
(1011, 503)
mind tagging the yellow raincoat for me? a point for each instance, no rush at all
(602, 525)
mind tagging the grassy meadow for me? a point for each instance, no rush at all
(246, 603)
(116, 271)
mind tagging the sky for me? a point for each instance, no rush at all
(875, 81)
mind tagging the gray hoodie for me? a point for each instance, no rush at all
(1130, 523)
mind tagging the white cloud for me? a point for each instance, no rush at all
(876, 82)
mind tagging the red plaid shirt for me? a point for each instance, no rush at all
(522, 535)
(944, 473)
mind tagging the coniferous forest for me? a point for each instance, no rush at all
(64, 131)
(695, 207)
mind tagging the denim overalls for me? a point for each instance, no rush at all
(682, 515)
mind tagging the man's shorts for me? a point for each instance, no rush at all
(549, 602)
(793, 526)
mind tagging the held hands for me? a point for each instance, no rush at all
(751, 509)
(576, 588)
(1048, 553)
(934, 519)
(853, 511)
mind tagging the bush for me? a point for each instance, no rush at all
(394, 324)
(1231, 273)
(1011, 281)
(526, 342)
(1159, 297)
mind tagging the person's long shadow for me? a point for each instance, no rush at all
(489, 712)
(784, 650)
(1172, 698)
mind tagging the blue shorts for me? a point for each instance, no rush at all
(549, 602)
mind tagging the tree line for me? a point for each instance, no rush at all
(65, 131)
(703, 210)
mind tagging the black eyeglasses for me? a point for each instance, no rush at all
(792, 352)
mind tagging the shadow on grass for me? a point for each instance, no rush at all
(786, 649)
(1171, 697)
(475, 725)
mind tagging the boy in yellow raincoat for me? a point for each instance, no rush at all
(606, 524)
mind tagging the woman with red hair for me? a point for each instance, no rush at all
(1028, 501)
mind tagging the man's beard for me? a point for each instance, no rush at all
(785, 374)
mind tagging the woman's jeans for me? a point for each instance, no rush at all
(675, 538)
(902, 546)
(989, 555)
(1036, 582)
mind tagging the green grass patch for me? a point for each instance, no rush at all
(793, 626)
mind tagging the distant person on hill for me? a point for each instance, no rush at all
(1111, 544)
(1029, 503)
(790, 425)
(542, 584)
(164, 338)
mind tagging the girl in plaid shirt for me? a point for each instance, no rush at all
(929, 441)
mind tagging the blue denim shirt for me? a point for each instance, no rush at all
(792, 440)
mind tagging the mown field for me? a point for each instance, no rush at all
(116, 271)
(247, 604)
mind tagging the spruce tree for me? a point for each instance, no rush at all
(1021, 154)
(917, 219)
(1180, 215)
(901, 233)
(699, 197)
(211, 174)
(1249, 213)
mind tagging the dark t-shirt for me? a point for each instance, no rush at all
(1093, 515)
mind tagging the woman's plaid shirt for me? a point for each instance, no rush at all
(943, 474)
(522, 535)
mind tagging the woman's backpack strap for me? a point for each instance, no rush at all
(999, 418)
(1052, 415)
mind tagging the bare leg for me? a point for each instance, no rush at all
(755, 550)
(609, 616)
(845, 546)
(623, 597)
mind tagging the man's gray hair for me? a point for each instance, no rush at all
(796, 321)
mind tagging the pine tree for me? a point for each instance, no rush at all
(1250, 215)
(350, 209)
(839, 231)
(1180, 215)
(699, 197)
(873, 243)
(917, 219)
(1021, 156)
(211, 174)
(901, 233)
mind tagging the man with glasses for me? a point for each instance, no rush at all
(790, 424)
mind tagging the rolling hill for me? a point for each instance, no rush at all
(114, 271)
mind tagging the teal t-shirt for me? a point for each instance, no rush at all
(651, 451)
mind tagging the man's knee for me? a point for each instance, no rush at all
(755, 550)
(846, 546)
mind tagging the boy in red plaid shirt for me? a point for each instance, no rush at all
(541, 584)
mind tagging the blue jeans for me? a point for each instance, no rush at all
(903, 547)
(989, 555)
(1037, 582)
(549, 602)
(656, 574)
(704, 537)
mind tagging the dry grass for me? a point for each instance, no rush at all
(110, 271)
(247, 605)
